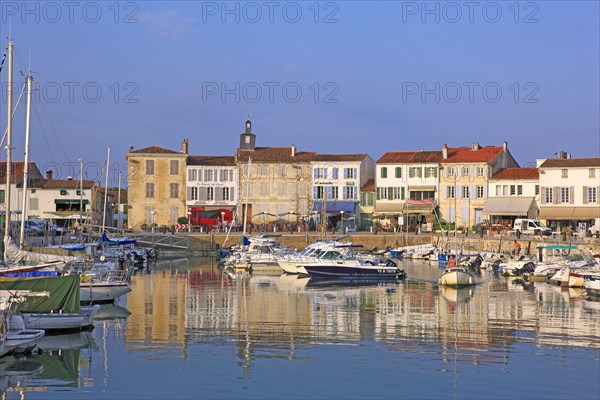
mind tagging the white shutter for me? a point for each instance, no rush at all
(585, 195)
(555, 194)
(571, 195)
(542, 195)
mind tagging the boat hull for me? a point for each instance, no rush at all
(102, 292)
(56, 322)
(354, 272)
(456, 278)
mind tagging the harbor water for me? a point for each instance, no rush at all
(190, 330)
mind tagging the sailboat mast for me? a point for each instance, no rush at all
(106, 192)
(119, 203)
(26, 159)
(247, 193)
(9, 101)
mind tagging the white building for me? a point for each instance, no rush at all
(407, 184)
(337, 179)
(212, 183)
(569, 193)
(513, 193)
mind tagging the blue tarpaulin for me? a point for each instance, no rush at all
(337, 206)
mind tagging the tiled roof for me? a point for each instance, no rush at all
(155, 150)
(17, 172)
(275, 154)
(571, 163)
(369, 186)
(115, 195)
(517, 173)
(467, 155)
(410, 157)
(340, 157)
(211, 160)
(66, 184)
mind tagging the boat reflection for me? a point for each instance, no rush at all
(456, 295)
(111, 311)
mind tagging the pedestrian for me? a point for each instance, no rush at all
(451, 261)
(516, 249)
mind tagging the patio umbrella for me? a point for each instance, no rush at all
(264, 215)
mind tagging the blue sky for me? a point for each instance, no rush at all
(374, 76)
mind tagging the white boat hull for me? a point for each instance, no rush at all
(60, 321)
(98, 292)
(291, 267)
(456, 277)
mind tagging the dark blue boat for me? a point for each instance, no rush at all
(355, 269)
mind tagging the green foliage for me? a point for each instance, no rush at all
(182, 220)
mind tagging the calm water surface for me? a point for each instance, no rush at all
(190, 331)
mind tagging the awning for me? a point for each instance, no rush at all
(389, 207)
(68, 201)
(215, 208)
(513, 206)
(336, 206)
(569, 213)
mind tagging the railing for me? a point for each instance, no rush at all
(144, 238)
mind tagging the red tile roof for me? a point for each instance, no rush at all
(340, 157)
(211, 160)
(517, 173)
(410, 157)
(275, 155)
(66, 184)
(154, 150)
(17, 172)
(571, 163)
(369, 186)
(467, 155)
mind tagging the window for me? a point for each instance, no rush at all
(192, 175)
(208, 175)
(592, 172)
(513, 190)
(422, 194)
(498, 190)
(397, 193)
(537, 190)
(226, 194)
(174, 190)
(450, 191)
(173, 211)
(149, 215)
(210, 194)
(282, 189)
(302, 189)
(519, 190)
(464, 171)
(334, 192)
(465, 192)
(281, 170)
(33, 204)
(319, 192)
(592, 195)
(480, 191)
(264, 189)
(264, 170)
(565, 173)
(194, 193)
(349, 192)
(414, 171)
(430, 172)
(564, 194)
(398, 172)
(479, 171)
(63, 192)
(174, 168)
(350, 173)
(382, 193)
(334, 175)
(149, 190)
(450, 171)
(548, 195)
(384, 172)
(504, 190)
(149, 167)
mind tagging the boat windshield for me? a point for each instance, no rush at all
(331, 255)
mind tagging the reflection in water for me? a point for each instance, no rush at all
(179, 310)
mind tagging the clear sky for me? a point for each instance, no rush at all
(373, 76)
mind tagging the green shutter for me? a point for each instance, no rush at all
(402, 193)
(384, 172)
(371, 200)
(362, 199)
(390, 193)
(378, 193)
(398, 172)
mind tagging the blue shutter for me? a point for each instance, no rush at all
(355, 190)
(325, 175)
(315, 173)
(355, 173)
(335, 173)
(345, 173)
(314, 192)
(344, 197)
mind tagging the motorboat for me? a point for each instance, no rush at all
(456, 276)
(355, 269)
(591, 284)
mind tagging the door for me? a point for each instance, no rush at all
(478, 216)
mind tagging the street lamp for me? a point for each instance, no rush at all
(189, 222)
(153, 219)
(342, 228)
(223, 220)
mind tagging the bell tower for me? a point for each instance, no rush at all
(248, 139)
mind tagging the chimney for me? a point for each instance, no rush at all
(475, 146)
(293, 150)
(130, 149)
(49, 174)
(185, 146)
(505, 146)
(445, 151)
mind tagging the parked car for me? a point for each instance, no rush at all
(530, 227)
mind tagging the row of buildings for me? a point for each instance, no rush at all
(462, 185)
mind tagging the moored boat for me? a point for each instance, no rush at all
(456, 276)
(355, 269)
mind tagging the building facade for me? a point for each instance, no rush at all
(569, 189)
(156, 189)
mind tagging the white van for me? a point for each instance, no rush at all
(530, 227)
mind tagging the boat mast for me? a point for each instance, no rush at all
(26, 159)
(247, 193)
(119, 203)
(106, 192)
(9, 101)
(80, 197)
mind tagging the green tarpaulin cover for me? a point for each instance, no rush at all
(64, 293)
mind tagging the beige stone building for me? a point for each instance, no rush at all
(277, 187)
(464, 176)
(156, 186)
